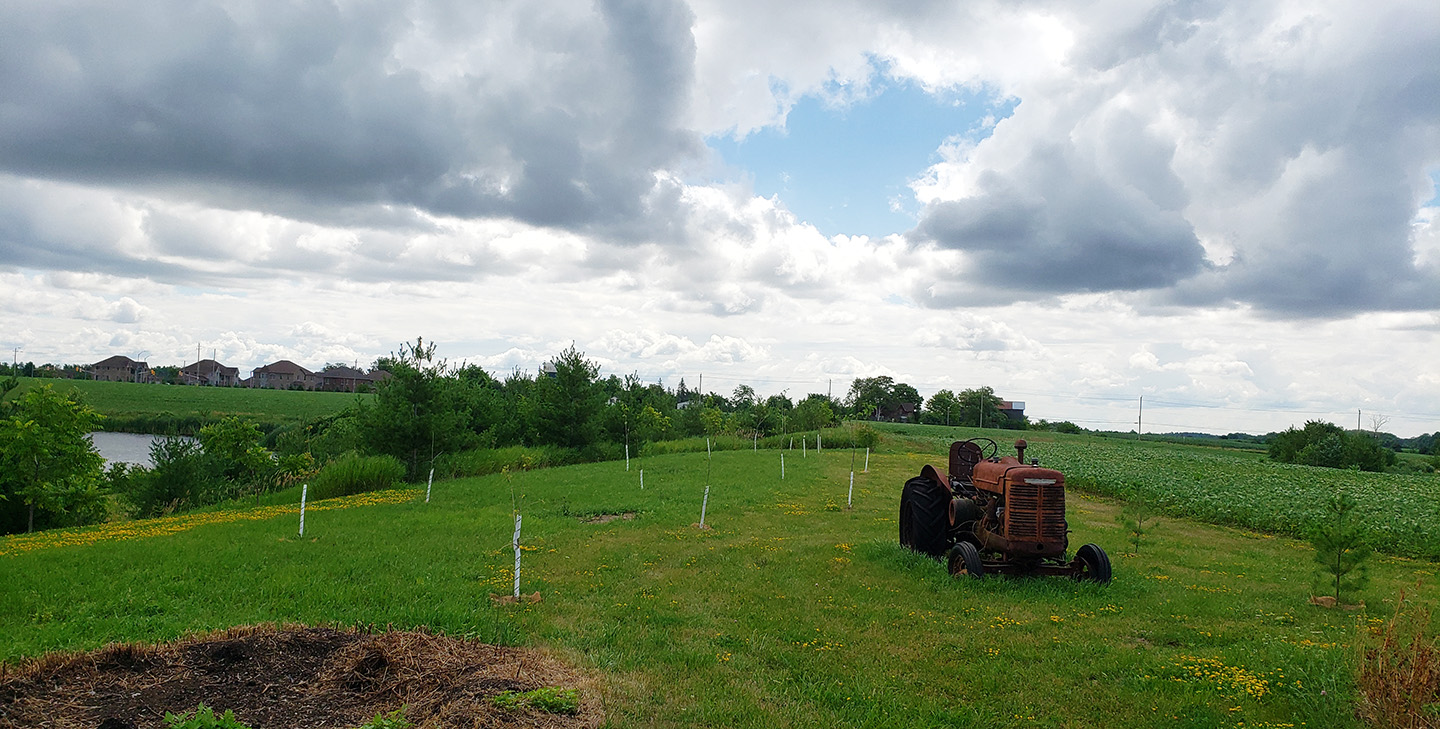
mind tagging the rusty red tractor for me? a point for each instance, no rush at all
(994, 515)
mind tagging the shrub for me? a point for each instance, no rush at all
(353, 473)
(182, 476)
(1329, 445)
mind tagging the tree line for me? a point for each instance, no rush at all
(463, 420)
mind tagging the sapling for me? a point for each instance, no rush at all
(1138, 521)
(1340, 546)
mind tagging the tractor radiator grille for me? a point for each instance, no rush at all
(1035, 512)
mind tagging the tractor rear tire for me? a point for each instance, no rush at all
(965, 561)
(1094, 564)
(925, 524)
(907, 530)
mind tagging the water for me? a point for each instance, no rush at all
(124, 447)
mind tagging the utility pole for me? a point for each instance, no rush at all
(1140, 419)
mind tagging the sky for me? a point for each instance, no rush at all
(1227, 209)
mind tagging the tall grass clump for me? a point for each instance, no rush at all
(353, 473)
(485, 461)
(1399, 673)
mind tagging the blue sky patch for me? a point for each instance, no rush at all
(845, 170)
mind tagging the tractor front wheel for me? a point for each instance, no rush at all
(1094, 564)
(965, 561)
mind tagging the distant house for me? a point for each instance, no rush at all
(283, 375)
(898, 413)
(349, 379)
(121, 369)
(1013, 410)
(208, 372)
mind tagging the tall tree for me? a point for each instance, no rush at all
(868, 394)
(418, 412)
(980, 407)
(568, 404)
(943, 409)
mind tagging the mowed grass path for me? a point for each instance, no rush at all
(791, 611)
(127, 399)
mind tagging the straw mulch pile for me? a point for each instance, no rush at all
(290, 677)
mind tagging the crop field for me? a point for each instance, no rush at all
(126, 401)
(1224, 486)
(791, 610)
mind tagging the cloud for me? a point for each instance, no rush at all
(1212, 154)
(534, 112)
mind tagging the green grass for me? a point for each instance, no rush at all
(149, 406)
(790, 611)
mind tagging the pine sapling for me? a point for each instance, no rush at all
(1340, 547)
(1138, 521)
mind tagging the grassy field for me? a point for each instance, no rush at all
(791, 611)
(125, 402)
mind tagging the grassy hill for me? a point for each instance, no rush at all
(149, 408)
(791, 611)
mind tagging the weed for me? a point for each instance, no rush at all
(203, 718)
(393, 720)
(550, 699)
(1399, 674)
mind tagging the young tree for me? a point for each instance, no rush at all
(813, 413)
(48, 461)
(1340, 548)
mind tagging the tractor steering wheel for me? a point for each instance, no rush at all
(985, 448)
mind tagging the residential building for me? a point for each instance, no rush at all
(283, 375)
(208, 372)
(349, 379)
(121, 369)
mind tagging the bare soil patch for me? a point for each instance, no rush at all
(607, 518)
(292, 677)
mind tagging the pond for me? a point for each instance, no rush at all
(124, 447)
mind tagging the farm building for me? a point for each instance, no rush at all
(1013, 410)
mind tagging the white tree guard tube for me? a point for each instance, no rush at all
(516, 541)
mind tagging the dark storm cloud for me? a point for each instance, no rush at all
(1060, 229)
(552, 114)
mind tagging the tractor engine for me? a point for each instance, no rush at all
(1023, 510)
